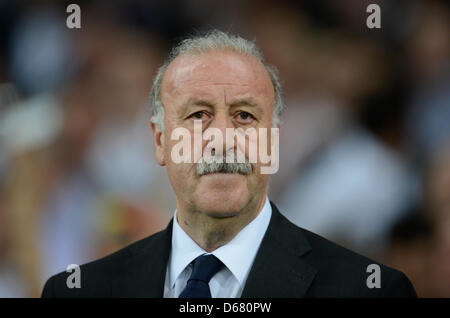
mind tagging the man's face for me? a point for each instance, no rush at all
(222, 89)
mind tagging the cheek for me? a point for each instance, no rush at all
(182, 177)
(257, 180)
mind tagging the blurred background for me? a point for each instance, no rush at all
(365, 139)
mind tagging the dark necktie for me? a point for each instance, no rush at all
(205, 267)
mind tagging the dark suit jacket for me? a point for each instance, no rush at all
(291, 262)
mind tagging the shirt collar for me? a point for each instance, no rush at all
(237, 255)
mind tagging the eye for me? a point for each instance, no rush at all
(245, 118)
(199, 115)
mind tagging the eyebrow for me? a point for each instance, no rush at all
(244, 102)
(247, 102)
(198, 102)
(193, 102)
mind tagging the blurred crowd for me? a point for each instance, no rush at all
(365, 138)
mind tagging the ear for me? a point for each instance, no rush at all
(158, 137)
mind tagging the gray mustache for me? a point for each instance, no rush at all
(204, 168)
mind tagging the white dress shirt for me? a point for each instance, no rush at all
(237, 255)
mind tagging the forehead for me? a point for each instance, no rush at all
(207, 72)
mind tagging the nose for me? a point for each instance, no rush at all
(222, 121)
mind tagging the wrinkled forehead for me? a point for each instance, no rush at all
(227, 68)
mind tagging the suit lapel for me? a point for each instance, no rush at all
(143, 275)
(278, 269)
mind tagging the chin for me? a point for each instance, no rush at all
(222, 196)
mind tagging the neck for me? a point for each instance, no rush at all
(211, 232)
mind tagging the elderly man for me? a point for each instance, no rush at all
(226, 238)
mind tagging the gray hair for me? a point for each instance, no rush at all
(214, 40)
